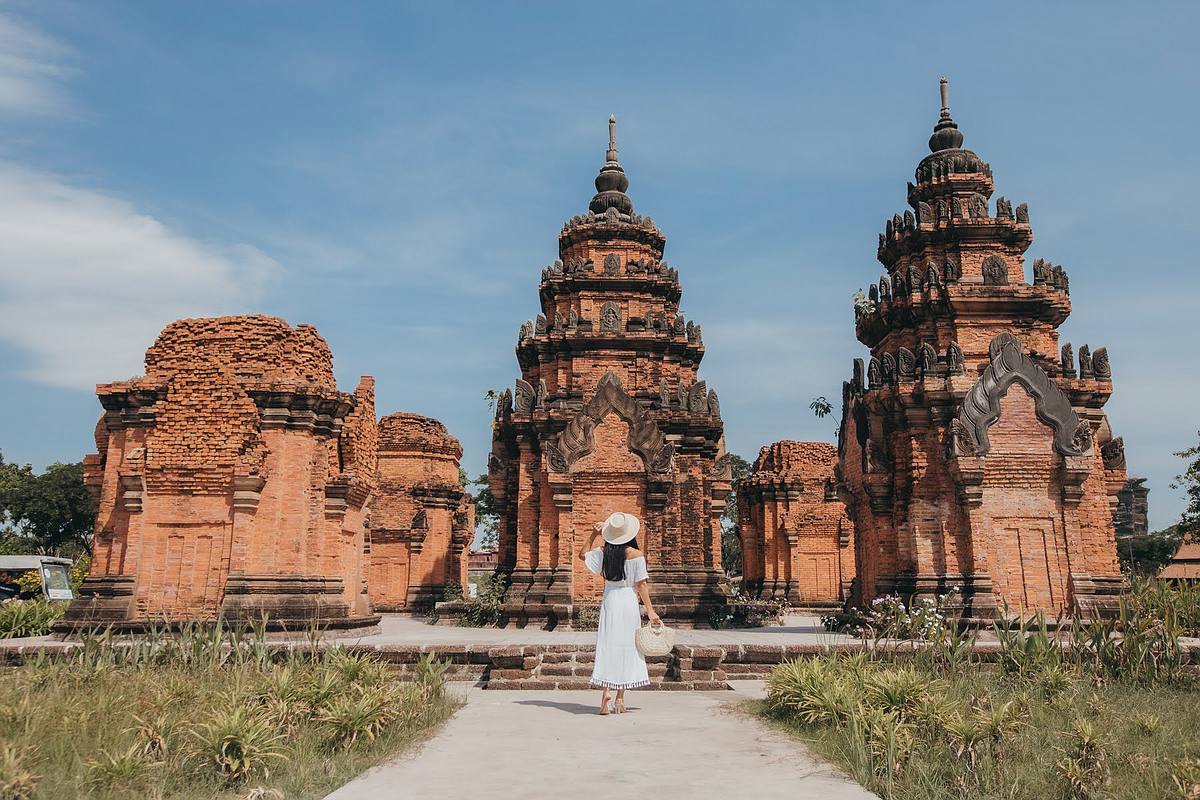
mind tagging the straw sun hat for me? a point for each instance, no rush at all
(620, 528)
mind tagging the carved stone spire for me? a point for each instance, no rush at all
(946, 135)
(611, 183)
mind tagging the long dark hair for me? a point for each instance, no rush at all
(614, 560)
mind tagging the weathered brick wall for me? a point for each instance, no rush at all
(422, 519)
(236, 459)
(796, 536)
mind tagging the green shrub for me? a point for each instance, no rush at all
(23, 618)
(487, 607)
(237, 742)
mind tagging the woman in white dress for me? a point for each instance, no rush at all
(619, 665)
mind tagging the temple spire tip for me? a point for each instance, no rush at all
(611, 155)
(944, 87)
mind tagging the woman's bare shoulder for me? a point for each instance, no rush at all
(632, 553)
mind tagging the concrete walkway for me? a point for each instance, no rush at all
(502, 745)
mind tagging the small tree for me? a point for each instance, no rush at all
(487, 518)
(731, 541)
(1189, 481)
(52, 512)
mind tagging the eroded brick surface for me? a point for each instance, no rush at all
(797, 542)
(232, 480)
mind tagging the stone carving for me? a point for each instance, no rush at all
(943, 210)
(1023, 214)
(560, 322)
(556, 268)
(909, 222)
(526, 331)
(951, 271)
(856, 374)
(924, 213)
(1085, 362)
(699, 334)
(420, 521)
(610, 318)
(873, 293)
(1009, 363)
(995, 271)
(1003, 208)
(679, 326)
(928, 359)
(722, 469)
(664, 393)
(1067, 361)
(691, 331)
(504, 404)
(899, 290)
(698, 398)
(887, 368)
(1100, 366)
(914, 279)
(578, 438)
(955, 363)
(873, 377)
(572, 319)
(906, 364)
(523, 401)
(979, 206)
(931, 276)
(539, 400)
(714, 405)
(612, 264)
(1083, 436)
(1113, 453)
(885, 288)
(540, 326)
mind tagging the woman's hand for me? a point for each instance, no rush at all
(653, 617)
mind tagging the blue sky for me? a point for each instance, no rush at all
(397, 174)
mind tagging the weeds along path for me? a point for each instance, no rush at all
(505, 744)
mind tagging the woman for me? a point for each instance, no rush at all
(619, 665)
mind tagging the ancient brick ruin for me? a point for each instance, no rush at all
(974, 449)
(609, 414)
(231, 480)
(422, 519)
(797, 542)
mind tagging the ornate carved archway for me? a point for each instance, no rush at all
(578, 438)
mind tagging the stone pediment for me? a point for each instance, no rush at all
(578, 438)
(981, 407)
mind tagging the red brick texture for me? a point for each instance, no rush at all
(422, 519)
(231, 479)
(797, 542)
(973, 452)
(609, 415)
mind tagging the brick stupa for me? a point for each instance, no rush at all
(797, 542)
(422, 519)
(974, 449)
(609, 415)
(231, 481)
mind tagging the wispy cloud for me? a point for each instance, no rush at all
(33, 67)
(86, 281)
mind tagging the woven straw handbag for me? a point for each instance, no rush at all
(654, 640)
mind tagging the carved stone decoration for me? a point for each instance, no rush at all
(420, 521)
(1023, 214)
(612, 264)
(560, 322)
(698, 398)
(955, 363)
(523, 401)
(931, 276)
(722, 469)
(943, 210)
(539, 400)
(1113, 453)
(1085, 362)
(504, 404)
(856, 373)
(885, 289)
(979, 207)
(572, 319)
(691, 331)
(951, 271)
(873, 377)
(664, 393)
(928, 359)
(906, 364)
(1100, 366)
(995, 271)
(1067, 361)
(960, 442)
(924, 213)
(899, 290)
(578, 438)
(887, 368)
(714, 404)
(610, 318)
(679, 324)
(540, 326)
(1083, 436)
(1009, 363)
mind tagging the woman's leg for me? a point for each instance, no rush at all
(604, 701)
(620, 701)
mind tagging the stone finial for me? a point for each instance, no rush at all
(946, 135)
(611, 183)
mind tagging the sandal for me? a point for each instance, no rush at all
(619, 705)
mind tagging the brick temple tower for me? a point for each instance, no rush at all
(609, 415)
(422, 520)
(231, 481)
(797, 542)
(974, 450)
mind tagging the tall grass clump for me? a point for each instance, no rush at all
(29, 618)
(208, 711)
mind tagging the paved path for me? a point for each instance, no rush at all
(553, 745)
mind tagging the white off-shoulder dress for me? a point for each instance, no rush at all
(619, 665)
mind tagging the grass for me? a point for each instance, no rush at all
(28, 618)
(1113, 716)
(206, 715)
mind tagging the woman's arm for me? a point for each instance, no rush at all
(643, 590)
(589, 542)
